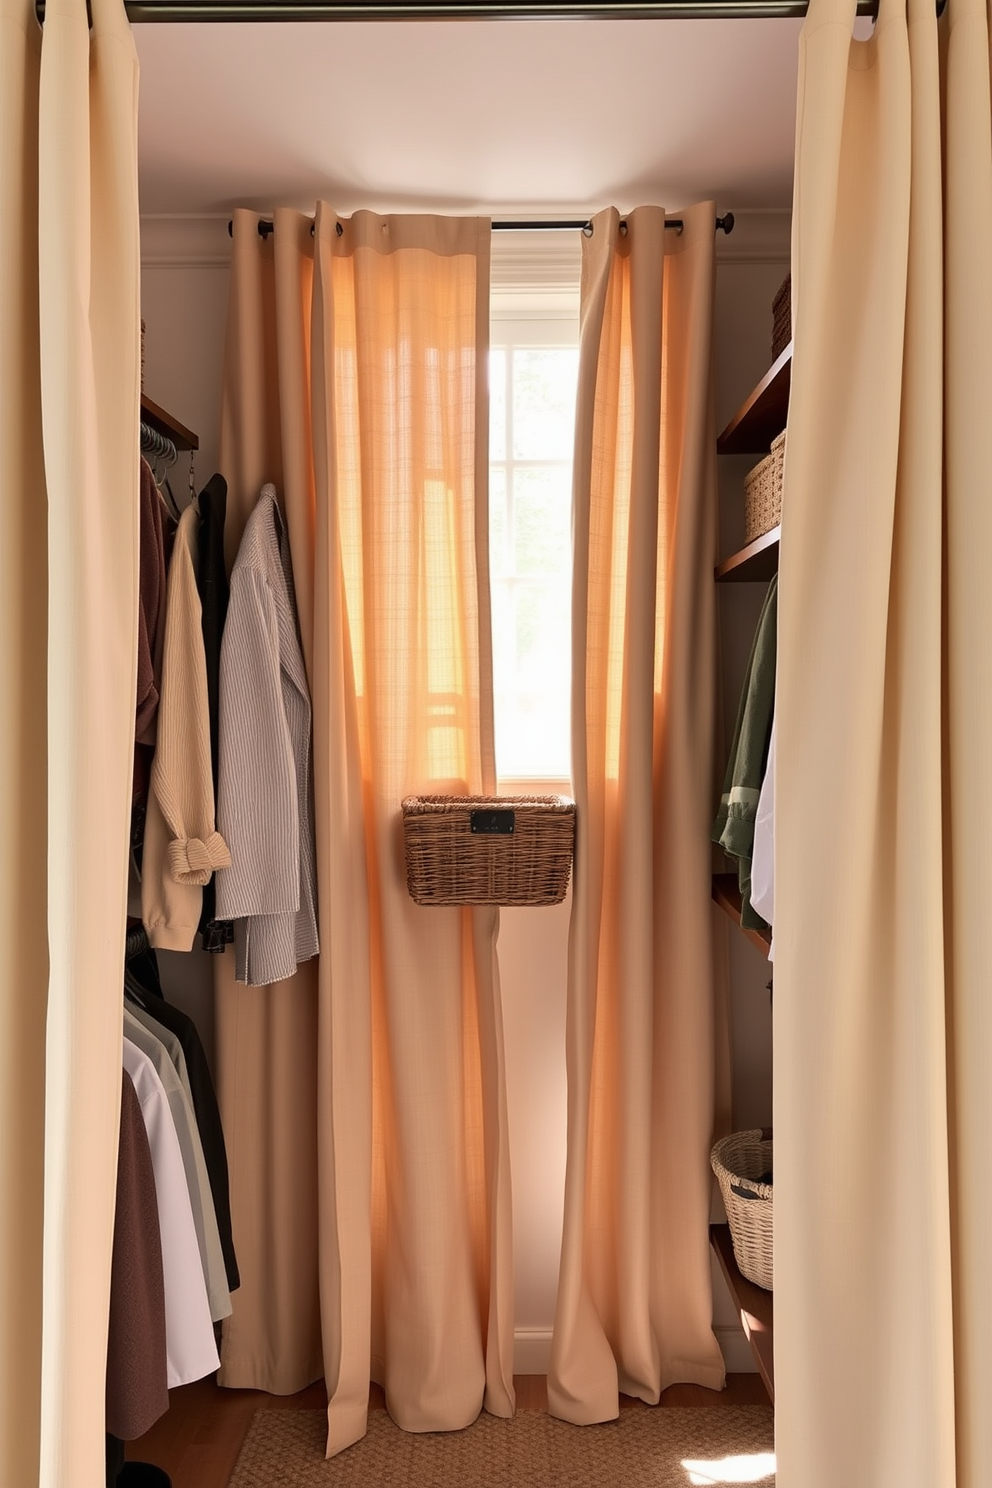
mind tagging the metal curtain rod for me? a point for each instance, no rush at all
(463, 10)
(724, 224)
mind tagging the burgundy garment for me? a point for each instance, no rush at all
(151, 605)
(137, 1392)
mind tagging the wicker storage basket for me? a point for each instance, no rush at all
(740, 1161)
(782, 319)
(763, 492)
(488, 849)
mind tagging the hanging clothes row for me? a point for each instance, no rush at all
(230, 785)
(743, 826)
(174, 1265)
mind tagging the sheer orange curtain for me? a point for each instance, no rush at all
(634, 1306)
(382, 324)
(884, 736)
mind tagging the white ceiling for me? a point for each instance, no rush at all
(500, 117)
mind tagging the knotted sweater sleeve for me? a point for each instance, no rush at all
(182, 846)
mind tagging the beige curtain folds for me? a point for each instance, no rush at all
(384, 480)
(68, 488)
(267, 1036)
(23, 777)
(884, 732)
(634, 1305)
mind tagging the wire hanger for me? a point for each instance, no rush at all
(162, 455)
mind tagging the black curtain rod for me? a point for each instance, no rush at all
(724, 224)
(139, 11)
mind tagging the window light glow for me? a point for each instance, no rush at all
(754, 1467)
(532, 418)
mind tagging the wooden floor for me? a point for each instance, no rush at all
(198, 1440)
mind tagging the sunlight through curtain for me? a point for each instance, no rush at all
(634, 1309)
(356, 381)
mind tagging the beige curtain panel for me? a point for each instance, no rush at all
(884, 735)
(69, 383)
(356, 382)
(266, 1037)
(634, 1303)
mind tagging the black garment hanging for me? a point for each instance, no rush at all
(214, 591)
(142, 984)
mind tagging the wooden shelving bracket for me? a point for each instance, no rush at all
(164, 423)
(756, 563)
(763, 414)
(754, 1305)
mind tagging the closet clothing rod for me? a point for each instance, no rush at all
(724, 224)
(462, 10)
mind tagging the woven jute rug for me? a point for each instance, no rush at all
(668, 1447)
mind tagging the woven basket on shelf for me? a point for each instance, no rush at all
(740, 1161)
(763, 492)
(488, 849)
(782, 319)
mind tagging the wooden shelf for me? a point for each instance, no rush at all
(757, 562)
(727, 894)
(754, 1305)
(164, 423)
(763, 415)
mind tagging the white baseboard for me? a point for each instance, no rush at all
(736, 1351)
(532, 1350)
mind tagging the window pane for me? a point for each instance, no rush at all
(497, 405)
(532, 733)
(544, 403)
(542, 505)
(498, 561)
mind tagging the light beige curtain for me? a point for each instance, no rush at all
(634, 1307)
(883, 937)
(68, 645)
(381, 323)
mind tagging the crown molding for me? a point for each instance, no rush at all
(760, 235)
(185, 242)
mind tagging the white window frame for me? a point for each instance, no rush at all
(534, 300)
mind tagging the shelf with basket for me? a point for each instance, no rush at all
(763, 413)
(757, 429)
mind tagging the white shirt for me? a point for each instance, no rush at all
(197, 1180)
(189, 1333)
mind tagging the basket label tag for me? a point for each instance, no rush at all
(492, 823)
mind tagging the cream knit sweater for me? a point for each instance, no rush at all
(182, 846)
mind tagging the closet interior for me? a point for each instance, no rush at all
(186, 269)
(760, 418)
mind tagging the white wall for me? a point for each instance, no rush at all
(184, 297)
